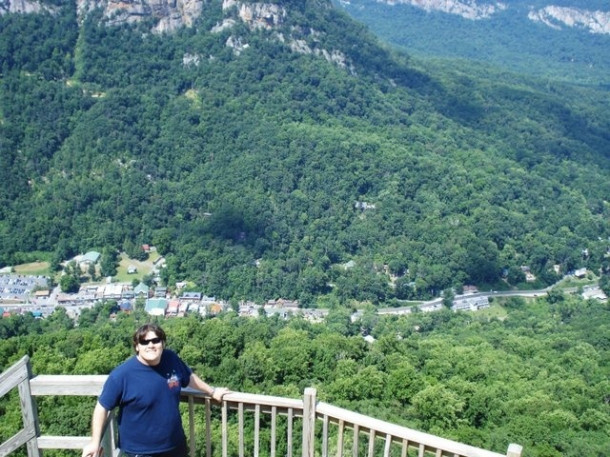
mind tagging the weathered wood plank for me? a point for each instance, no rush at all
(14, 375)
(63, 442)
(257, 428)
(273, 430)
(29, 413)
(72, 385)
(325, 436)
(356, 441)
(289, 435)
(340, 438)
(371, 443)
(400, 433)
(309, 418)
(388, 443)
(16, 441)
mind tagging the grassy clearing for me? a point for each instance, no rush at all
(144, 268)
(33, 269)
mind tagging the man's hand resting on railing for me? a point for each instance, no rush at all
(100, 414)
(218, 393)
(91, 450)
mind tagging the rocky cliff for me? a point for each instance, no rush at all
(556, 17)
(169, 15)
(468, 9)
(23, 6)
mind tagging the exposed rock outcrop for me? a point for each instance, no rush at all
(23, 6)
(556, 16)
(170, 14)
(258, 15)
(271, 16)
(468, 9)
(553, 16)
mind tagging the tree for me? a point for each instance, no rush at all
(448, 297)
(438, 408)
(91, 271)
(108, 262)
(69, 284)
(515, 275)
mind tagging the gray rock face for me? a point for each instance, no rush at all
(171, 14)
(23, 6)
(469, 9)
(558, 17)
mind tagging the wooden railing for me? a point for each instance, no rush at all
(304, 427)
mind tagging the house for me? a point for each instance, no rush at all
(369, 339)
(430, 307)
(160, 291)
(43, 294)
(191, 296)
(156, 306)
(470, 303)
(349, 265)
(215, 308)
(125, 306)
(112, 291)
(580, 273)
(173, 307)
(91, 257)
(131, 270)
(127, 294)
(141, 290)
(363, 206)
(594, 292)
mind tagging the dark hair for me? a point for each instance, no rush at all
(140, 333)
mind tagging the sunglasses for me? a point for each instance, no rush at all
(156, 340)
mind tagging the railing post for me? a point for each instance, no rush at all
(514, 450)
(309, 421)
(19, 376)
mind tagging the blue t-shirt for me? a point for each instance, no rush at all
(148, 398)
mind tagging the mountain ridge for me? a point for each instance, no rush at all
(262, 173)
(596, 21)
(566, 40)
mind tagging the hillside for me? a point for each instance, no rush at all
(556, 40)
(538, 377)
(263, 146)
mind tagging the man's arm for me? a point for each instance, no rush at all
(196, 382)
(97, 425)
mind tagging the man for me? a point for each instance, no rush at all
(146, 388)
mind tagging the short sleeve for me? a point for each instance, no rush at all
(111, 393)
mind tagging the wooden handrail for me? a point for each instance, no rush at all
(322, 426)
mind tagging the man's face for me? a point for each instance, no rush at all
(150, 349)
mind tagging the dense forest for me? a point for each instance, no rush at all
(507, 39)
(537, 375)
(261, 172)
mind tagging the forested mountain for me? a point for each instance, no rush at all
(263, 146)
(565, 40)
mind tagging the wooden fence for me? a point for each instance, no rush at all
(278, 425)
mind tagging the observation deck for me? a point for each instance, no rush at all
(243, 425)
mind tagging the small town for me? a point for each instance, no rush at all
(20, 293)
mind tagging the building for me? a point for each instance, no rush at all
(470, 303)
(156, 306)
